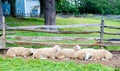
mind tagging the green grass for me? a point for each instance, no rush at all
(9, 64)
(60, 21)
(117, 69)
(24, 21)
(64, 21)
(14, 64)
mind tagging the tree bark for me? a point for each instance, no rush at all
(41, 8)
(1, 12)
(47, 12)
(12, 8)
(50, 12)
(53, 12)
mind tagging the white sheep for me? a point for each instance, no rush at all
(19, 51)
(101, 54)
(84, 54)
(44, 53)
(67, 53)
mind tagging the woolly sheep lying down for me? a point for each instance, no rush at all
(84, 54)
(93, 54)
(67, 53)
(44, 53)
(101, 54)
(19, 51)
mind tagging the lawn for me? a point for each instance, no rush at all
(17, 64)
(14, 64)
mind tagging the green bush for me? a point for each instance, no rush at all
(88, 6)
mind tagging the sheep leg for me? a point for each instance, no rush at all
(14, 55)
(43, 58)
(66, 58)
(103, 59)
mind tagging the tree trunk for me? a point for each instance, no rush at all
(1, 12)
(12, 8)
(53, 12)
(49, 12)
(41, 8)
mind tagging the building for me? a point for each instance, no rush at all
(25, 8)
(6, 8)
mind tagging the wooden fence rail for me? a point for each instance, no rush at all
(111, 33)
(40, 38)
(112, 27)
(54, 26)
(56, 31)
(64, 44)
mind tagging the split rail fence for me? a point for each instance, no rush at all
(100, 42)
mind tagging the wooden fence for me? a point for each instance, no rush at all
(102, 32)
(3, 36)
(100, 41)
(47, 28)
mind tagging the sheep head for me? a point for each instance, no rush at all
(57, 48)
(76, 47)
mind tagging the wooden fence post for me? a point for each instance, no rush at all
(3, 31)
(101, 32)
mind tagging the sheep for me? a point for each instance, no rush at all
(19, 51)
(101, 54)
(67, 53)
(84, 54)
(45, 53)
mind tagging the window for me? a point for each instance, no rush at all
(18, 11)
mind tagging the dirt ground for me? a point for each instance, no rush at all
(114, 62)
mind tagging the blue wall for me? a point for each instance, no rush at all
(23, 7)
(20, 8)
(6, 8)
